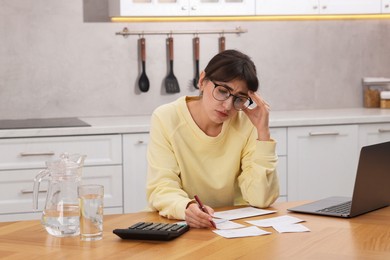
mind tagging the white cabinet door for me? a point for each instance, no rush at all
(181, 7)
(134, 171)
(221, 7)
(322, 161)
(148, 8)
(373, 134)
(283, 7)
(307, 7)
(350, 6)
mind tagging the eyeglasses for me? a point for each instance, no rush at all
(222, 93)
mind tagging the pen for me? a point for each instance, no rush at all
(203, 208)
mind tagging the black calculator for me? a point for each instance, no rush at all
(152, 231)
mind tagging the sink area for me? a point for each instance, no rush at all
(42, 123)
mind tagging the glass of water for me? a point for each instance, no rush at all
(91, 211)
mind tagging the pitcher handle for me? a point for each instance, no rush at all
(37, 181)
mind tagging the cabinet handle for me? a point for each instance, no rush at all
(37, 154)
(140, 142)
(323, 133)
(381, 130)
(26, 191)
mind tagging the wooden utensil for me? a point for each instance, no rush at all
(171, 83)
(143, 82)
(196, 55)
(222, 42)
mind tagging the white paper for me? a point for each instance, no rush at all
(289, 228)
(241, 213)
(226, 224)
(241, 232)
(269, 222)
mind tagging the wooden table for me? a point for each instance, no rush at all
(363, 237)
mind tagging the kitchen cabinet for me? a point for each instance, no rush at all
(373, 134)
(283, 7)
(310, 7)
(135, 170)
(322, 161)
(172, 8)
(22, 159)
(181, 7)
(349, 6)
(318, 153)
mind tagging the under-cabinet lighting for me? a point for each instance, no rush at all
(251, 18)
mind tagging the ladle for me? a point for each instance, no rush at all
(143, 82)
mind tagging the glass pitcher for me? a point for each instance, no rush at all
(60, 215)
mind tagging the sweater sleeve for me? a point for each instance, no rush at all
(164, 187)
(258, 180)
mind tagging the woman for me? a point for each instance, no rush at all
(214, 145)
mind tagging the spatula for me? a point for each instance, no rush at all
(196, 55)
(171, 84)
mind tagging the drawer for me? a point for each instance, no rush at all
(373, 133)
(16, 188)
(32, 153)
(279, 134)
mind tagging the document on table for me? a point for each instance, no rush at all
(241, 213)
(269, 222)
(241, 232)
(226, 224)
(282, 224)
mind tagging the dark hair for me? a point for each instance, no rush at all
(232, 65)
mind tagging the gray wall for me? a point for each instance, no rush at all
(58, 59)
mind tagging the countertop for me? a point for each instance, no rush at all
(363, 237)
(141, 124)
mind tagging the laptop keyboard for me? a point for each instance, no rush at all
(343, 208)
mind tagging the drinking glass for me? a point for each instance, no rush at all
(91, 211)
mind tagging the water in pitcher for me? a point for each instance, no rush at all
(64, 222)
(61, 213)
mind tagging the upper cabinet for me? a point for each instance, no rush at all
(308, 7)
(285, 7)
(221, 7)
(349, 6)
(193, 8)
(181, 7)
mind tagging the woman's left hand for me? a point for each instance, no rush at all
(259, 116)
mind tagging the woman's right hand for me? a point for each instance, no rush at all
(196, 218)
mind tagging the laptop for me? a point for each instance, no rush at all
(371, 190)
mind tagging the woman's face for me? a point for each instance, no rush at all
(216, 110)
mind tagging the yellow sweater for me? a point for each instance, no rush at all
(233, 168)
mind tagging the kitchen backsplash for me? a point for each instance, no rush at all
(53, 64)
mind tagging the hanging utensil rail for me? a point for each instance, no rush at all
(125, 32)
